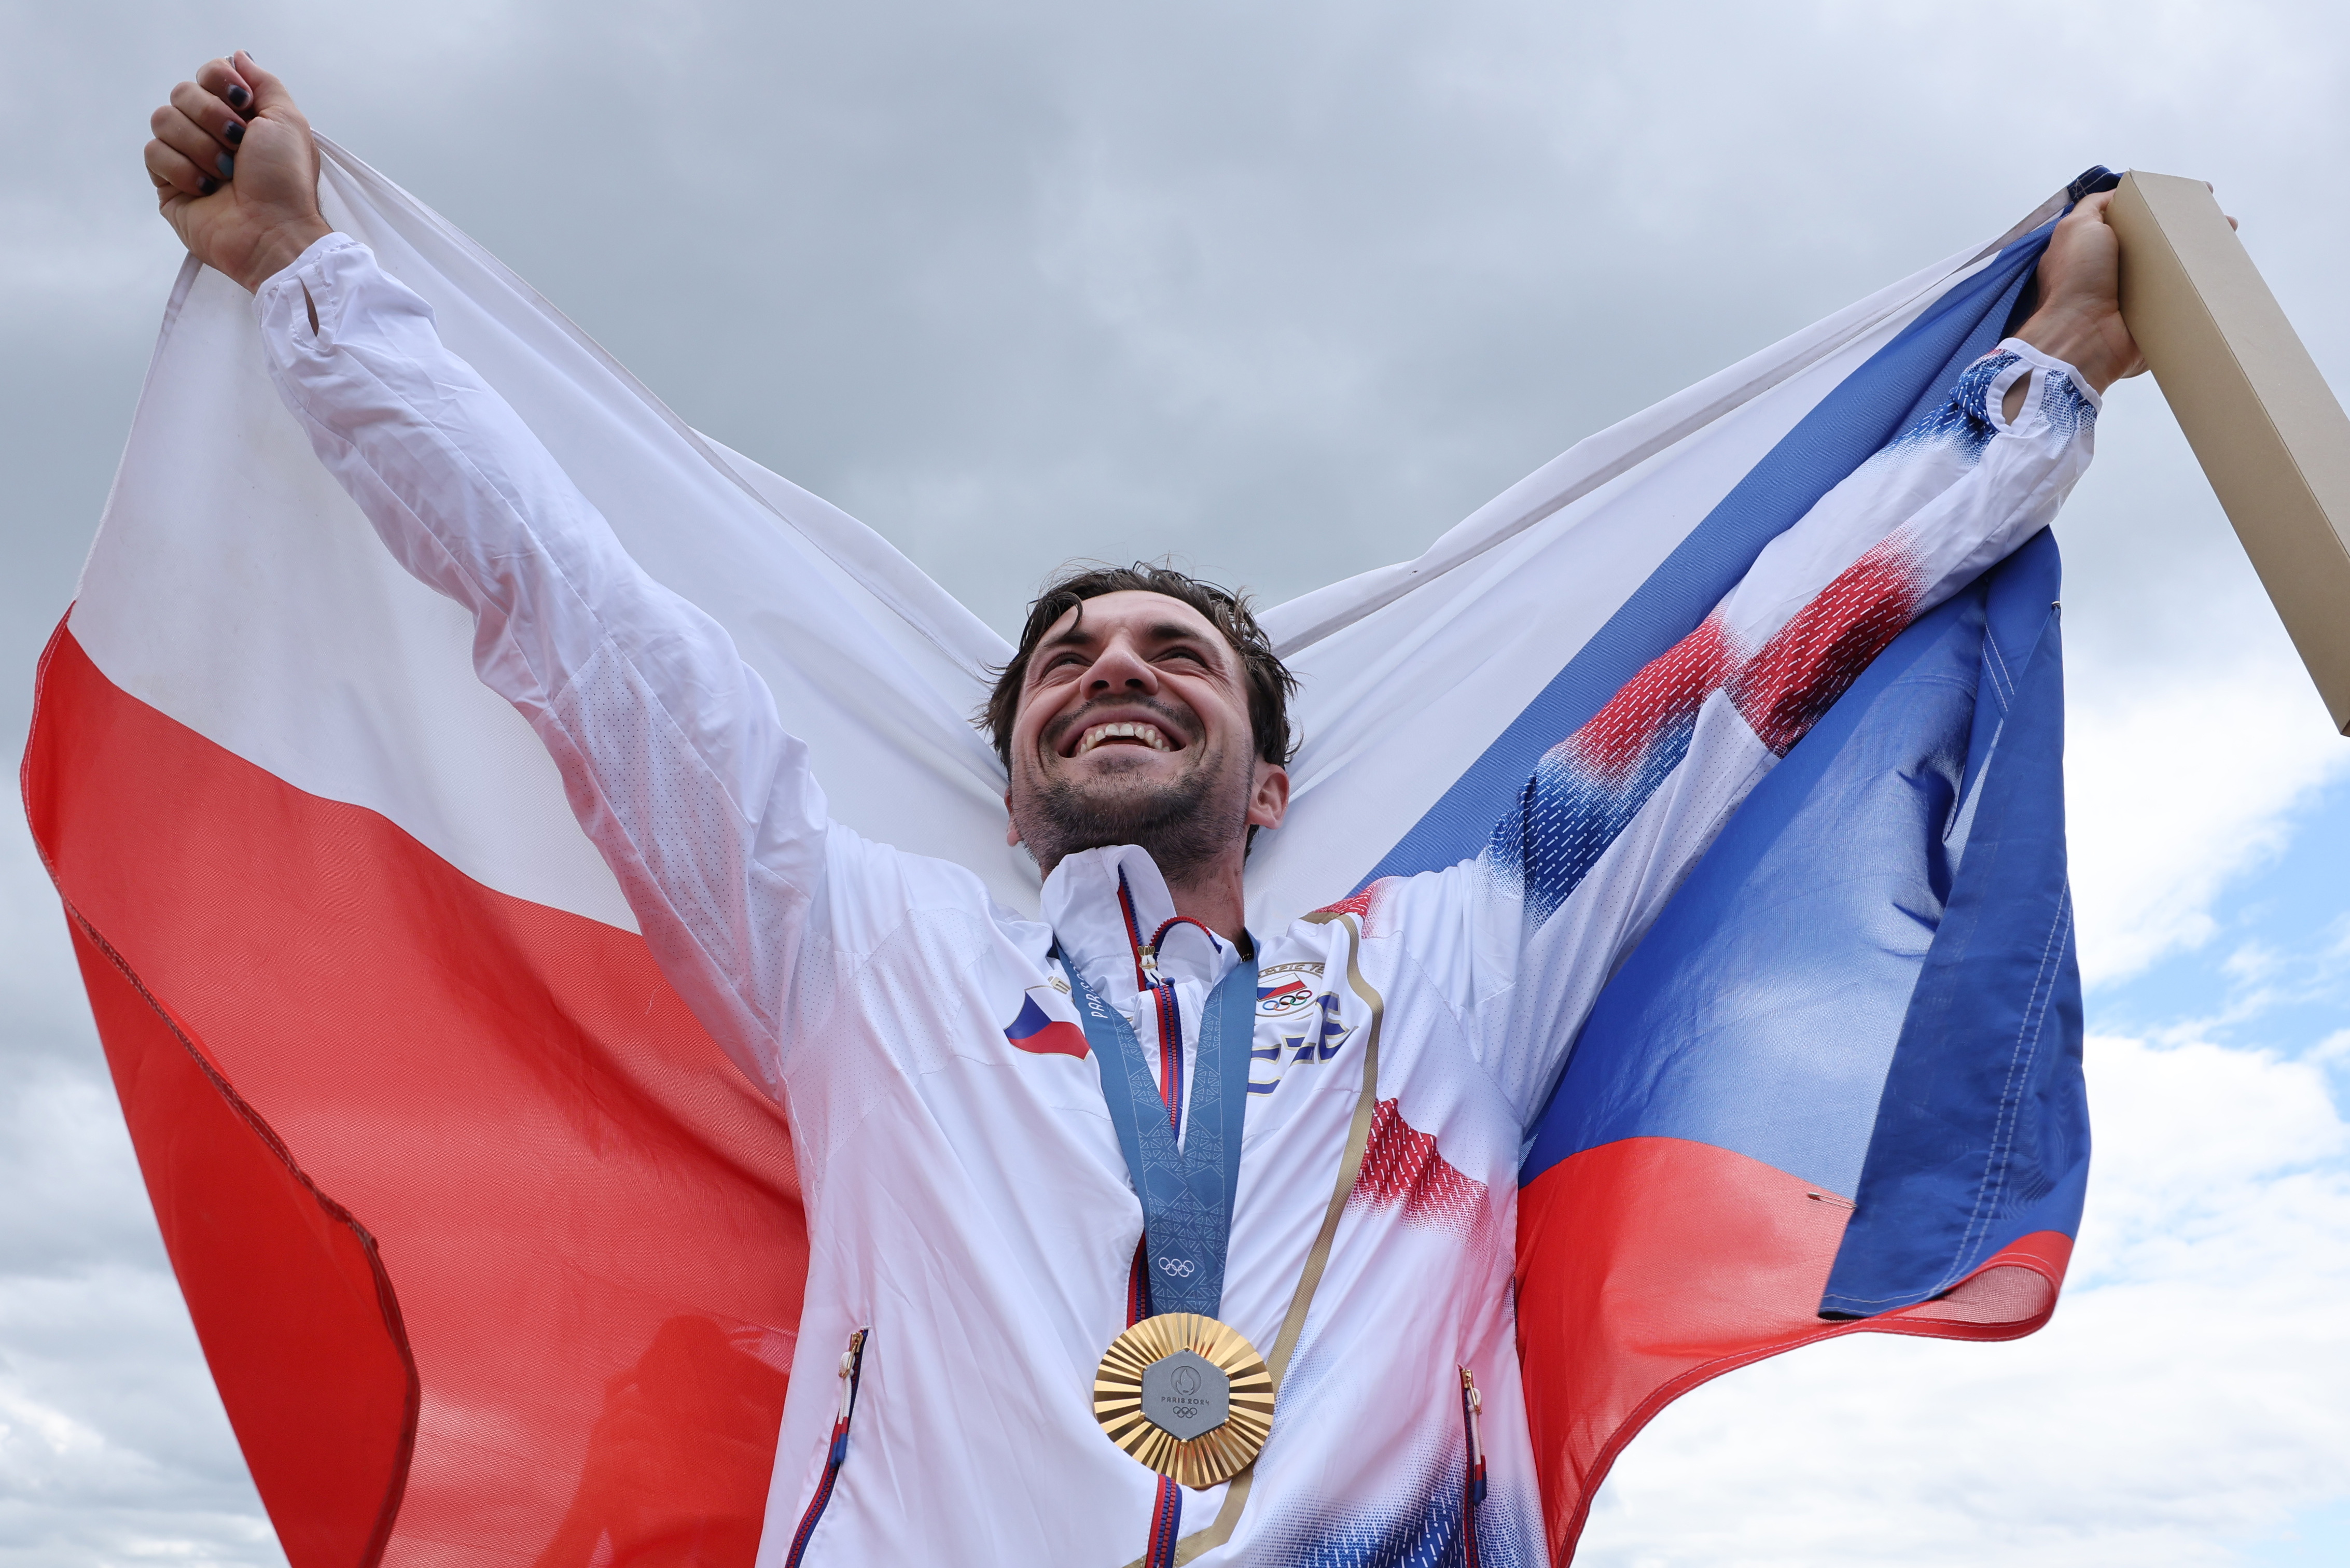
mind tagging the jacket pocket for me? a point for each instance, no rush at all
(1472, 1483)
(852, 1369)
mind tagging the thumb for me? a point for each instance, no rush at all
(269, 94)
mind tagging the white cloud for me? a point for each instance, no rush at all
(2178, 782)
(113, 1445)
(2193, 733)
(2190, 1397)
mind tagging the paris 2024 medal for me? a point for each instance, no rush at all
(1186, 1395)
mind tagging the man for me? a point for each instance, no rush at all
(1094, 1188)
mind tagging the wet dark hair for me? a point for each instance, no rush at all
(1270, 683)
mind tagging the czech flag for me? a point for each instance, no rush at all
(497, 1259)
(1838, 1085)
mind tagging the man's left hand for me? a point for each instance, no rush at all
(2080, 317)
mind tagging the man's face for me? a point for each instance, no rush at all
(1133, 728)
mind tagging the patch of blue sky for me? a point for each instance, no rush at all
(2275, 973)
(2317, 1538)
(2273, 976)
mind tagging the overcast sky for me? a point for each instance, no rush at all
(1290, 289)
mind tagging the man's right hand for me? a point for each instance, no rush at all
(235, 171)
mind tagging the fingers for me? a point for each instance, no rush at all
(198, 132)
(224, 81)
(2088, 213)
(208, 113)
(246, 90)
(171, 170)
(192, 143)
(269, 94)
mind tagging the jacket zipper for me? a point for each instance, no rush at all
(852, 1368)
(1472, 1490)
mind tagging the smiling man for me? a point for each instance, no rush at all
(1123, 1214)
(1145, 707)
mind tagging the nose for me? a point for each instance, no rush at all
(1119, 668)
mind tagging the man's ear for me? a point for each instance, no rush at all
(1269, 803)
(1011, 828)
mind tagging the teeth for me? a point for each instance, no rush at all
(1147, 733)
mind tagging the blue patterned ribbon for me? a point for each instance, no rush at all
(1187, 1192)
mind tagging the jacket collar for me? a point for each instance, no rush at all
(1106, 905)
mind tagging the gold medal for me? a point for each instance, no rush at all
(1185, 1395)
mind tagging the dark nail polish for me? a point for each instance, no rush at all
(227, 166)
(208, 185)
(236, 133)
(237, 98)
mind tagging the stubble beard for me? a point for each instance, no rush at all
(1186, 826)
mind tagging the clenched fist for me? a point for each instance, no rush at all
(235, 171)
(2079, 317)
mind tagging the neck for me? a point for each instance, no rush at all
(1211, 895)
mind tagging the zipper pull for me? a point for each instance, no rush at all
(849, 1361)
(1473, 1405)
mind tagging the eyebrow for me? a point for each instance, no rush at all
(1163, 631)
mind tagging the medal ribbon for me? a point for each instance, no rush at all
(1187, 1192)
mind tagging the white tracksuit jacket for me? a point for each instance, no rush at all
(966, 1198)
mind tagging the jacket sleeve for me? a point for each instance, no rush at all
(671, 748)
(1615, 815)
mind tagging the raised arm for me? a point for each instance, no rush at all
(1616, 814)
(672, 753)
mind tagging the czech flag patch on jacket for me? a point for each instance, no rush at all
(1047, 1024)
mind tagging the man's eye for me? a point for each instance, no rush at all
(1191, 653)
